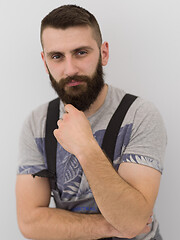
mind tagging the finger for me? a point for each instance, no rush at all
(149, 220)
(146, 229)
(69, 108)
(55, 132)
(59, 122)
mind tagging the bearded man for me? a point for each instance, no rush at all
(94, 198)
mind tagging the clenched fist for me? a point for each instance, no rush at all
(74, 131)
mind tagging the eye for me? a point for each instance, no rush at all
(82, 53)
(57, 57)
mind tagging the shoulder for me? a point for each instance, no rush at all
(115, 94)
(148, 138)
(31, 142)
(35, 121)
(143, 111)
(147, 122)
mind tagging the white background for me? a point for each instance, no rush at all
(144, 38)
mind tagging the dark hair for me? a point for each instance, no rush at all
(70, 16)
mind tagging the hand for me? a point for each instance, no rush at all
(74, 131)
(147, 228)
(115, 233)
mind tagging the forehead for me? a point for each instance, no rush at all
(67, 39)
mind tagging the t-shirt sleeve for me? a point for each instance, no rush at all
(148, 139)
(30, 158)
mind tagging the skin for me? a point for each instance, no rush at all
(127, 206)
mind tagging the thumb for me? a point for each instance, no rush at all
(55, 132)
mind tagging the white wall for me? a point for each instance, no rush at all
(144, 38)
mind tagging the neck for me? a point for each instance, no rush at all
(98, 102)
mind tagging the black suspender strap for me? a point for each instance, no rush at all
(110, 136)
(50, 140)
(51, 143)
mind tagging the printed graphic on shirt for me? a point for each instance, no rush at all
(71, 181)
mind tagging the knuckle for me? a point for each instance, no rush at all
(65, 116)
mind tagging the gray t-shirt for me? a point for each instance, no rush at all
(141, 140)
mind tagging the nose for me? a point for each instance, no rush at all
(70, 67)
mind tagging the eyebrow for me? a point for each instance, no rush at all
(72, 51)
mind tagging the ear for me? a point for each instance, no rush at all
(43, 58)
(105, 53)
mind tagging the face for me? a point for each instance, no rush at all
(74, 64)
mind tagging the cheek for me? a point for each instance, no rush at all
(89, 66)
(55, 70)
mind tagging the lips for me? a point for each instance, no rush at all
(74, 83)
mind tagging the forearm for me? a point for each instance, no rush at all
(56, 224)
(122, 205)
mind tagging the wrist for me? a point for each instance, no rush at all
(108, 230)
(105, 230)
(91, 148)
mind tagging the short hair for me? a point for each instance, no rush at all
(70, 16)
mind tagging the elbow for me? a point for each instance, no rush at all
(133, 232)
(132, 229)
(25, 230)
(26, 226)
(134, 224)
(130, 232)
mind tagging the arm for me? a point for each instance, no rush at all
(125, 202)
(37, 221)
(126, 199)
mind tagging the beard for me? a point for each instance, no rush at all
(82, 95)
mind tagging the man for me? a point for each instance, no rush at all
(123, 194)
